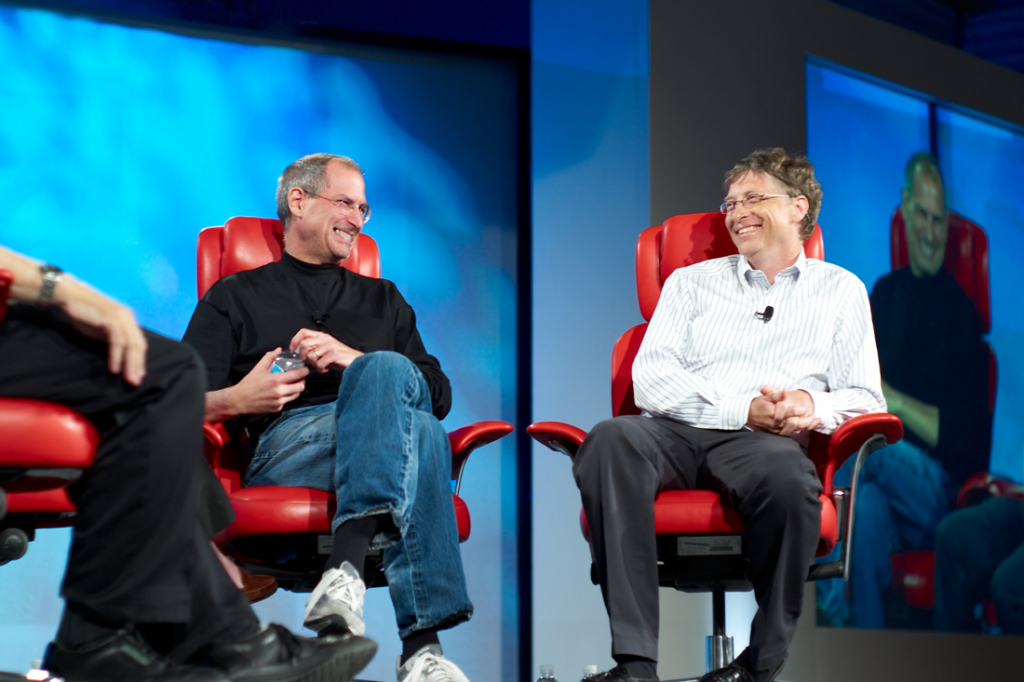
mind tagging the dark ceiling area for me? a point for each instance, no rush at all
(990, 29)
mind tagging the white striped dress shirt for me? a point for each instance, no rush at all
(706, 354)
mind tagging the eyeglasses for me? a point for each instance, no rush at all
(749, 201)
(922, 215)
(346, 206)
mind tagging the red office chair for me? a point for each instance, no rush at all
(36, 436)
(680, 241)
(279, 531)
(966, 258)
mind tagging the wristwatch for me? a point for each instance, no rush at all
(51, 275)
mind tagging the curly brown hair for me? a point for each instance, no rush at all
(795, 173)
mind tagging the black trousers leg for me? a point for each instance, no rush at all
(974, 546)
(773, 485)
(626, 461)
(619, 469)
(136, 545)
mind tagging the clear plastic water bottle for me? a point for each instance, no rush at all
(286, 361)
(547, 674)
(588, 670)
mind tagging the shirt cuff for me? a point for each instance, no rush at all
(733, 413)
(824, 409)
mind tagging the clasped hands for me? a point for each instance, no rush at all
(786, 413)
(262, 391)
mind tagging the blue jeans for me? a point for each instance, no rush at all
(379, 448)
(902, 496)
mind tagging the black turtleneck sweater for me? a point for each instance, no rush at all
(930, 347)
(245, 315)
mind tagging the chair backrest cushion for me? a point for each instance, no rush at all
(684, 240)
(244, 243)
(680, 241)
(966, 258)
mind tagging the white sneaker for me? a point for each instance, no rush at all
(337, 602)
(429, 665)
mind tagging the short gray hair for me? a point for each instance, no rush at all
(308, 175)
(921, 162)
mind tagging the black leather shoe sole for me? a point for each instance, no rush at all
(329, 625)
(122, 657)
(335, 659)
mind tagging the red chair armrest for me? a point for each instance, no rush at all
(558, 436)
(214, 437)
(984, 485)
(848, 438)
(223, 456)
(465, 440)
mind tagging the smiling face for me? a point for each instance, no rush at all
(318, 232)
(768, 233)
(926, 224)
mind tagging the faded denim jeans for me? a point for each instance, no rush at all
(379, 448)
(902, 496)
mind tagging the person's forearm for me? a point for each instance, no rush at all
(220, 406)
(28, 280)
(919, 417)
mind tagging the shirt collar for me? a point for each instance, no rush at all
(745, 272)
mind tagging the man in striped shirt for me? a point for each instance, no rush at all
(730, 394)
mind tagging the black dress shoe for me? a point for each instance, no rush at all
(122, 657)
(737, 671)
(276, 655)
(618, 674)
(730, 673)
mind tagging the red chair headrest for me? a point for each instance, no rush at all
(966, 258)
(684, 240)
(245, 243)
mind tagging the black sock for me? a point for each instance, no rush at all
(80, 628)
(351, 543)
(416, 641)
(163, 637)
(638, 666)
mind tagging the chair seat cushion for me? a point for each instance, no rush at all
(702, 512)
(53, 501)
(41, 435)
(282, 510)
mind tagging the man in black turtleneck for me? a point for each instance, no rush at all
(360, 420)
(935, 379)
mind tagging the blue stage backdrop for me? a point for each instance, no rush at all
(117, 145)
(860, 136)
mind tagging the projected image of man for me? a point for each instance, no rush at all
(935, 379)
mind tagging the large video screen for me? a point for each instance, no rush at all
(118, 144)
(921, 204)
